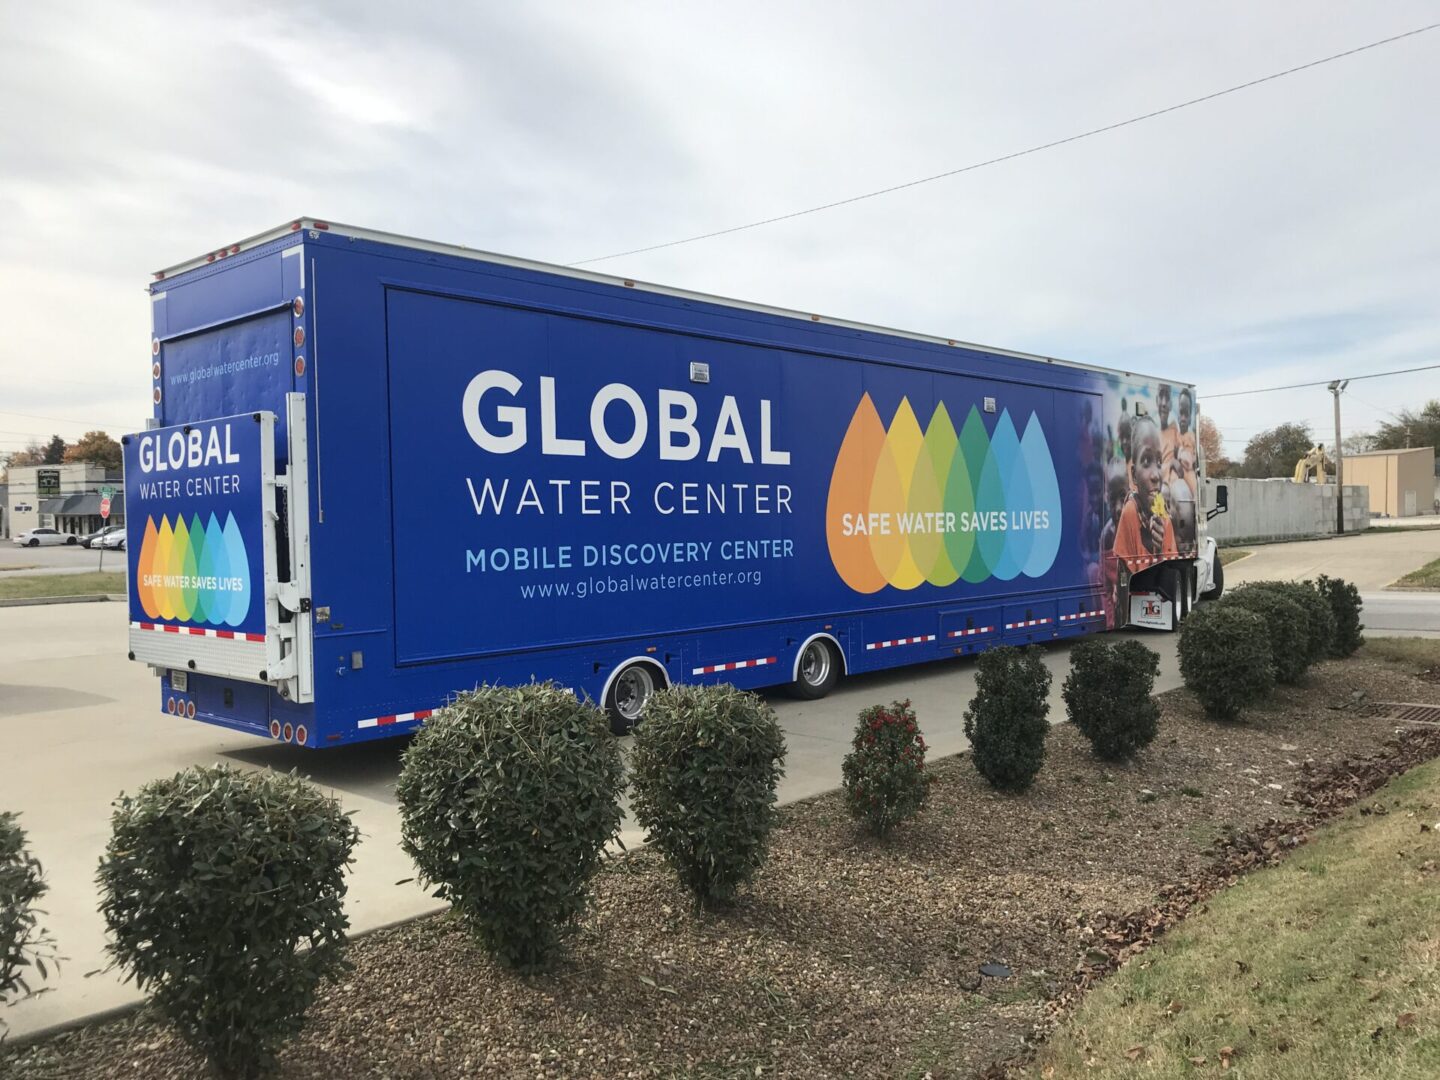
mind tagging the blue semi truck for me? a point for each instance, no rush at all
(383, 470)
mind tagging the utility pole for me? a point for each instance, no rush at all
(1336, 388)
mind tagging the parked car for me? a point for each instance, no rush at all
(115, 541)
(100, 534)
(44, 538)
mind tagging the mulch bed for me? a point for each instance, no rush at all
(849, 957)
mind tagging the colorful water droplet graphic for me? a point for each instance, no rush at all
(189, 572)
(906, 508)
(144, 569)
(1045, 496)
(927, 495)
(850, 485)
(235, 554)
(890, 495)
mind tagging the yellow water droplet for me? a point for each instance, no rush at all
(164, 596)
(889, 496)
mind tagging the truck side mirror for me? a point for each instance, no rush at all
(1222, 502)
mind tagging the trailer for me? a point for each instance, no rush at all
(382, 471)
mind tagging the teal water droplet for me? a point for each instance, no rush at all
(197, 547)
(990, 497)
(239, 561)
(1045, 497)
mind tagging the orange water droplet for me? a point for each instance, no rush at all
(144, 568)
(850, 485)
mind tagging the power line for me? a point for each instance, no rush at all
(1012, 156)
(1321, 382)
(58, 419)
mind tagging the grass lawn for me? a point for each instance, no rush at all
(1229, 555)
(15, 588)
(1421, 652)
(1323, 966)
(1427, 577)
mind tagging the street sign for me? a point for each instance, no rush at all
(107, 491)
(104, 506)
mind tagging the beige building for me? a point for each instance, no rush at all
(64, 497)
(1401, 482)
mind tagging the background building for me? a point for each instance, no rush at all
(64, 497)
(1401, 482)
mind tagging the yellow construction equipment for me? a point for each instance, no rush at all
(1312, 464)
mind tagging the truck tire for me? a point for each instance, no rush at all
(817, 672)
(1217, 584)
(630, 692)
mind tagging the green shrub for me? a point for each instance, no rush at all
(1006, 720)
(1287, 628)
(705, 766)
(884, 774)
(508, 797)
(1107, 695)
(1344, 601)
(1225, 658)
(1319, 620)
(222, 891)
(22, 943)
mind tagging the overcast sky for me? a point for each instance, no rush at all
(1285, 233)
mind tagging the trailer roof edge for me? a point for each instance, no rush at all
(308, 224)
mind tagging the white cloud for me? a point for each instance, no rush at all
(1277, 235)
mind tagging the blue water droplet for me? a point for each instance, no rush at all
(1045, 495)
(1018, 537)
(213, 566)
(236, 556)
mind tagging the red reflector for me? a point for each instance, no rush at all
(274, 729)
(289, 733)
(170, 706)
(298, 306)
(295, 226)
(301, 734)
(322, 226)
(299, 366)
(299, 336)
(234, 249)
(210, 258)
(155, 370)
(155, 346)
(157, 395)
(159, 275)
(190, 709)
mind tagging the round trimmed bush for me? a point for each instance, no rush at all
(1319, 620)
(222, 891)
(884, 775)
(1287, 627)
(1225, 658)
(22, 882)
(706, 762)
(1107, 695)
(508, 797)
(1006, 720)
(1344, 601)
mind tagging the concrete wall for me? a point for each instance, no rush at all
(1282, 510)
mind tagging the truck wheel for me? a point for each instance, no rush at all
(1217, 585)
(629, 693)
(817, 672)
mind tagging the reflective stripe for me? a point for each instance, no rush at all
(733, 665)
(900, 641)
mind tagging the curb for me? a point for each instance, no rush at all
(39, 601)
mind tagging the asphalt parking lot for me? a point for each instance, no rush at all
(83, 724)
(61, 559)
